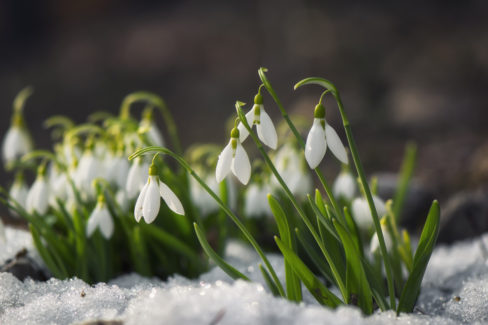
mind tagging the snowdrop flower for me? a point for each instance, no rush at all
(19, 191)
(136, 178)
(233, 158)
(344, 186)
(17, 141)
(319, 136)
(89, 168)
(264, 125)
(122, 200)
(148, 202)
(38, 196)
(148, 126)
(117, 169)
(200, 198)
(362, 213)
(59, 186)
(292, 168)
(256, 201)
(100, 218)
(375, 242)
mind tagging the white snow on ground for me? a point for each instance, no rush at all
(455, 271)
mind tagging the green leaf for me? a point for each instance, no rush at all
(312, 252)
(406, 172)
(357, 282)
(267, 278)
(227, 268)
(293, 286)
(424, 250)
(52, 261)
(325, 221)
(313, 284)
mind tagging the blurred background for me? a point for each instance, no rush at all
(406, 71)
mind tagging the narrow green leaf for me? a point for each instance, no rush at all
(227, 268)
(293, 286)
(312, 252)
(358, 284)
(406, 173)
(269, 282)
(323, 219)
(313, 284)
(424, 250)
(45, 254)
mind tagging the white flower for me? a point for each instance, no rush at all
(152, 132)
(117, 169)
(362, 213)
(100, 218)
(16, 143)
(291, 166)
(89, 168)
(121, 199)
(204, 203)
(233, 158)
(322, 134)
(375, 242)
(344, 186)
(148, 202)
(256, 201)
(136, 178)
(264, 125)
(38, 196)
(18, 192)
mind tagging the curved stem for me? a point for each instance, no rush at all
(290, 196)
(231, 214)
(297, 135)
(161, 105)
(360, 171)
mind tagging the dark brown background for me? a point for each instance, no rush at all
(407, 70)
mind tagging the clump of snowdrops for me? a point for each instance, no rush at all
(340, 242)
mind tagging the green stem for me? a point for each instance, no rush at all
(161, 105)
(305, 219)
(231, 214)
(299, 138)
(359, 168)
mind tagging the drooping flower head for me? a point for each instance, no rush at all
(233, 158)
(38, 196)
(344, 186)
(149, 127)
(362, 213)
(100, 218)
(264, 125)
(19, 191)
(148, 202)
(320, 136)
(136, 179)
(375, 242)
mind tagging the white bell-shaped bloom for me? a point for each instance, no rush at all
(136, 178)
(117, 167)
(89, 168)
(59, 186)
(375, 242)
(38, 196)
(18, 192)
(320, 136)
(264, 125)
(204, 203)
(344, 186)
(122, 199)
(292, 168)
(100, 218)
(154, 135)
(16, 143)
(362, 213)
(148, 202)
(233, 158)
(256, 201)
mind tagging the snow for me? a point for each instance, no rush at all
(455, 290)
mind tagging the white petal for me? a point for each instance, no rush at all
(380, 206)
(105, 223)
(155, 135)
(15, 144)
(335, 144)
(93, 222)
(241, 167)
(37, 198)
(267, 131)
(136, 178)
(362, 214)
(345, 186)
(19, 193)
(152, 201)
(139, 202)
(171, 199)
(315, 146)
(224, 162)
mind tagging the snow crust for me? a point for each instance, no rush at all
(455, 290)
